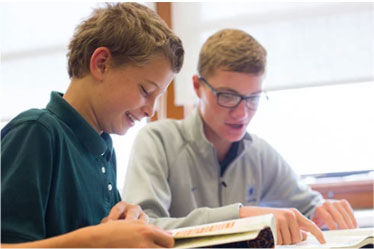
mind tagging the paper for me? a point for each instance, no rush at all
(349, 238)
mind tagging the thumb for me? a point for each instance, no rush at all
(303, 235)
(117, 211)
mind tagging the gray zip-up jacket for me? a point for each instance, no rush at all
(174, 175)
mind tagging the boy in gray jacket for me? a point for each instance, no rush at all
(207, 168)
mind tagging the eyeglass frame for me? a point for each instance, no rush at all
(242, 97)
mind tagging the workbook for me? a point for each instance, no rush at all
(349, 238)
(251, 232)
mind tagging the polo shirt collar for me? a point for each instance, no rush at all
(194, 131)
(96, 144)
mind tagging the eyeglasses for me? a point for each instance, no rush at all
(232, 100)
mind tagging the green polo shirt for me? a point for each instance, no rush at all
(57, 173)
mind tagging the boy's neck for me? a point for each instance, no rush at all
(221, 146)
(77, 95)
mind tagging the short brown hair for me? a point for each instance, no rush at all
(231, 50)
(132, 32)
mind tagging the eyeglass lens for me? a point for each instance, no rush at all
(233, 100)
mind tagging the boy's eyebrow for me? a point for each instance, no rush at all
(157, 86)
(232, 90)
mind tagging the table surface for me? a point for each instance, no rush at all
(365, 217)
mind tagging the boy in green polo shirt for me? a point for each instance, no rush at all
(58, 166)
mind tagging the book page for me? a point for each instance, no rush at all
(255, 223)
(338, 239)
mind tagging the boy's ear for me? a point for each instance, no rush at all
(99, 62)
(196, 85)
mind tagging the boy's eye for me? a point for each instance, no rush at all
(254, 99)
(144, 91)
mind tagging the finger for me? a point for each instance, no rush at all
(143, 217)
(117, 210)
(349, 211)
(279, 237)
(326, 217)
(347, 219)
(132, 212)
(317, 218)
(104, 220)
(294, 228)
(310, 226)
(303, 235)
(162, 238)
(286, 235)
(338, 218)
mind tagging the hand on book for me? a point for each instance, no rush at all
(334, 213)
(125, 211)
(291, 224)
(127, 233)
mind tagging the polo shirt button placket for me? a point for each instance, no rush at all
(103, 167)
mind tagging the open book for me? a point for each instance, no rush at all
(257, 231)
(349, 238)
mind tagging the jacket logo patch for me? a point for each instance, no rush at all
(251, 193)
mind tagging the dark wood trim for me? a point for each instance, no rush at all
(167, 107)
(164, 11)
(358, 193)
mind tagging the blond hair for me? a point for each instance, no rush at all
(132, 32)
(231, 50)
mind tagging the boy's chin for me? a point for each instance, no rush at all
(236, 138)
(122, 131)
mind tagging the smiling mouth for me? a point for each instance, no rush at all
(131, 117)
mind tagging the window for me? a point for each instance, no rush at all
(321, 129)
(319, 79)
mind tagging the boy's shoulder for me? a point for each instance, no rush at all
(164, 125)
(32, 116)
(167, 130)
